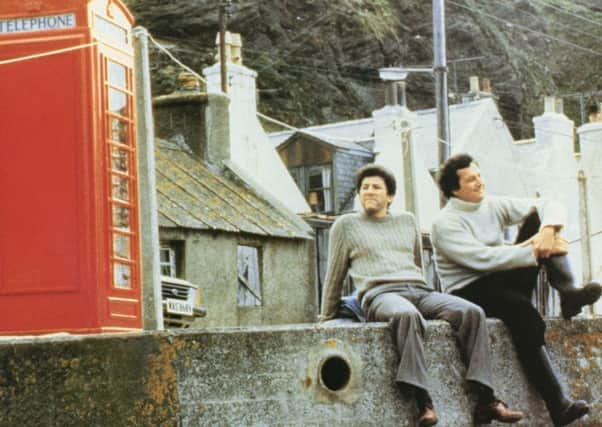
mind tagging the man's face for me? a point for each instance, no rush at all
(374, 197)
(472, 186)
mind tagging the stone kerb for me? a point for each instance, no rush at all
(297, 375)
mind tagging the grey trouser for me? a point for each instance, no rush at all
(407, 306)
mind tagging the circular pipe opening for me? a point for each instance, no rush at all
(335, 373)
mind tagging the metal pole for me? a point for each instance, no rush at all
(586, 243)
(440, 69)
(149, 222)
(455, 79)
(409, 174)
(222, 47)
(582, 107)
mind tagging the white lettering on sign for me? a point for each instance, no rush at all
(38, 23)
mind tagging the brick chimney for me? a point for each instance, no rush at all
(180, 116)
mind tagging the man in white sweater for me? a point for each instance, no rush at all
(474, 263)
(382, 255)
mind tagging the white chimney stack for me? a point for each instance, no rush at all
(474, 84)
(250, 150)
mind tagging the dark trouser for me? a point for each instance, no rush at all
(506, 295)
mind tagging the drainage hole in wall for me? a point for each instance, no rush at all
(335, 373)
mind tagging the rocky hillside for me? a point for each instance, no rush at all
(318, 59)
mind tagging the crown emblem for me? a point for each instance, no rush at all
(33, 5)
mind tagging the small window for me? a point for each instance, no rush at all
(167, 261)
(318, 188)
(316, 184)
(171, 258)
(249, 284)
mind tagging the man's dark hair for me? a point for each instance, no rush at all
(375, 170)
(447, 178)
(593, 109)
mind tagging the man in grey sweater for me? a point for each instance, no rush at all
(474, 263)
(382, 255)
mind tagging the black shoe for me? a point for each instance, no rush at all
(573, 411)
(573, 300)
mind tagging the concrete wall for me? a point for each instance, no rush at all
(287, 271)
(269, 377)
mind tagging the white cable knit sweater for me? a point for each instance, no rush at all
(469, 237)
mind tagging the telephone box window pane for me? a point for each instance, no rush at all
(121, 217)
(122, 275)
(121, 245)
(121, 188)
(120, 159)
(111, 31)
(117, 75)
(119, 130)
(117, 102)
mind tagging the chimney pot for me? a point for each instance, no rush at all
(391, 93)
(401, 93)
(487, 85)
(233, 48)
(188, 82)
(553, 105)
(474, 84)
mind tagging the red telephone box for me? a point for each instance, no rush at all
(69, 229)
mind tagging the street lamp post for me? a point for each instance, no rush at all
(440, 70)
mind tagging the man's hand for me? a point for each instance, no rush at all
(543, 243)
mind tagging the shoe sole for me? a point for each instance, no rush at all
(490, 420)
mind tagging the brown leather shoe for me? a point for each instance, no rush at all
(427, 417)
(495, 410)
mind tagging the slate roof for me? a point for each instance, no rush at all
(346, 134)
(190, 195)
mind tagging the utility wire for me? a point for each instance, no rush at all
(47, 53)
(568, 26)
(568, 12)
(522, 27)
(174, 59)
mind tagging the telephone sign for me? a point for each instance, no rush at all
(37, 23)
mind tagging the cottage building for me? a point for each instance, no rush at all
(219, 228)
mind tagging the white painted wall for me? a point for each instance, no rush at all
(250, 149)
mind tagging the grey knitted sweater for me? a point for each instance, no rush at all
(469, 237)
(373, 252)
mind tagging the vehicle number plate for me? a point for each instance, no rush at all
(175, 306)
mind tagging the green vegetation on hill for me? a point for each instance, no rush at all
(317, 59)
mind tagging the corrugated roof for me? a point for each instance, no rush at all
(189, 195)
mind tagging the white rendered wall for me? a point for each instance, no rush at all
(590, 138)
(250, 149)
